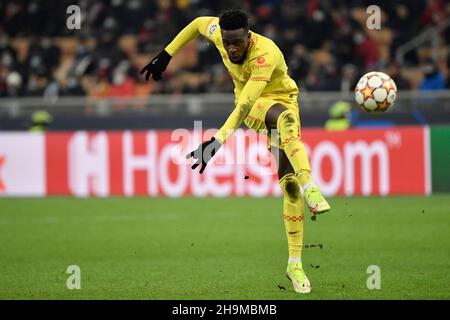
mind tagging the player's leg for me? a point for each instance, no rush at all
(287, 123)
(293, 214)
(292, 204)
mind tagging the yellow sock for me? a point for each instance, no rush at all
(293, 212)
(288, 126)
(304, 176)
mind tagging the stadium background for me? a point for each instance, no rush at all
(105, 132)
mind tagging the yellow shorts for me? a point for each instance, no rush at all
(256, 118)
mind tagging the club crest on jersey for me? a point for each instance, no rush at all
(212, 29)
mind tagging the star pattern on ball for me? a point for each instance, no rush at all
(383, 105)
(367, 92)
(388, 85)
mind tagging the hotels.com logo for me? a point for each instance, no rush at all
(361, 166)
(373, 158)
(2, 184)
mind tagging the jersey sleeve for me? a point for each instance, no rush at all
(251, 92)
(200, 25)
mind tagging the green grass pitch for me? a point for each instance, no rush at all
(227, 248)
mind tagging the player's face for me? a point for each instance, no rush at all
(236, 43)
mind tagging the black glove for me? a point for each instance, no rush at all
(157, 66)
(204, 153)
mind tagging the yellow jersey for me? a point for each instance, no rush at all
(263, 73)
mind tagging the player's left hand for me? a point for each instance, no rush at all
(204, 153)
(157, 66)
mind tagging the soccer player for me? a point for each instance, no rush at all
(266, 100)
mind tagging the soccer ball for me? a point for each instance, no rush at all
(375, 92)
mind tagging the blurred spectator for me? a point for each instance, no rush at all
(8, 55)
(366, 50)
(324, 78)
(343, 45)
(448, 73)
(394, 71)
(37, 83)
(43, 55)
(73, 87)
(317, 26)
(299, 64)
(432, 77)
(339, 119)
(402, 24)
(13, 84)
(349, 77)
(434, 13)
(40, 121)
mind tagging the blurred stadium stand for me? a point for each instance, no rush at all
(78, 74)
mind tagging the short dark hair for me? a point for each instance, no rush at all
(233, 19)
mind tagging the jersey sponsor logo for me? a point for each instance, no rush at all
(212, 29)
(261, 66)
(260, 60)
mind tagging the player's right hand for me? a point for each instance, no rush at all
(204, 153)
(157, 66)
